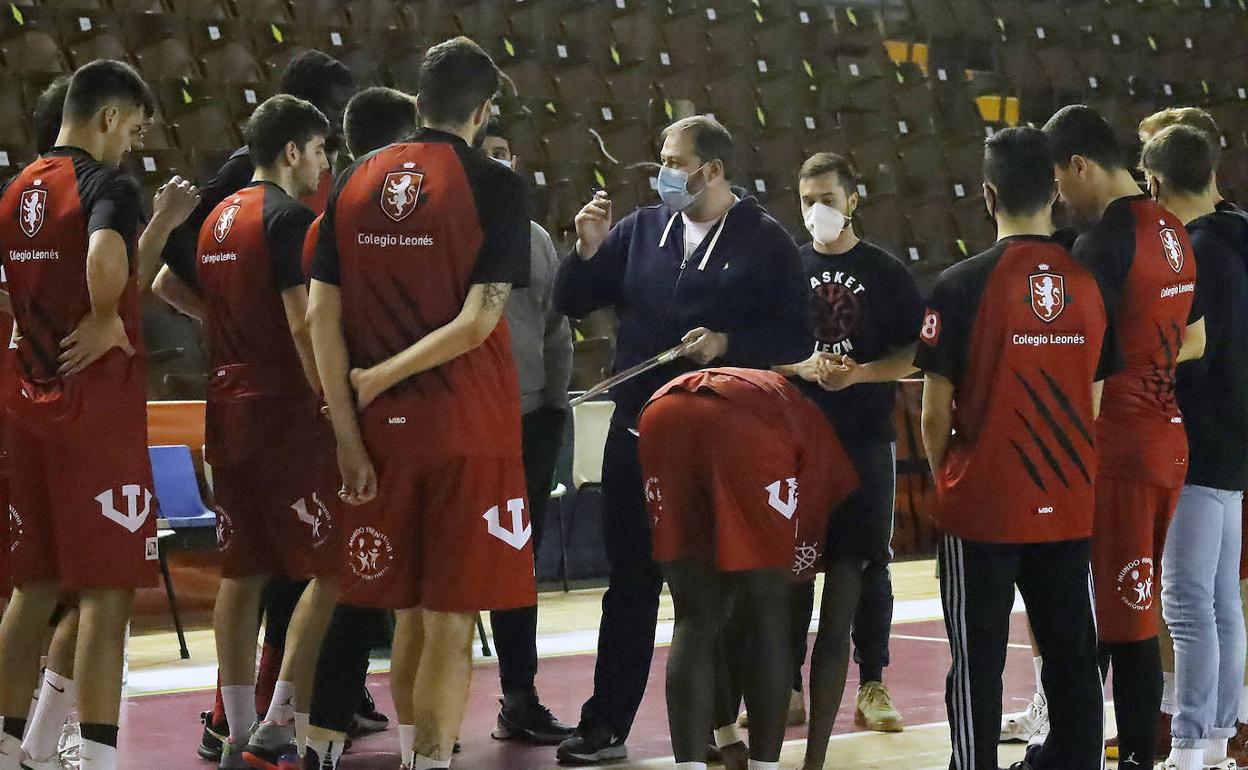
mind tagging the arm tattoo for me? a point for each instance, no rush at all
(495, 296)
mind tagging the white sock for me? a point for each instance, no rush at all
(1215, 751)
(282, 707)
(302, 721)
(331, 750)
(1188, 759)
(240, 710)
(420, 762)
(690, 766)
(97, 756)
(727, 735)
(1168, 703)
(760, 765)
(1038, 662)
(1243, 704)
(56, 698)
(10, 752)
(407, 744)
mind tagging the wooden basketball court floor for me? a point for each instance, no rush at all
(160, 726)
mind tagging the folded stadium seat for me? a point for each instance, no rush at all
(686, 84)
(231, 62)
(1233, 174)
(241, 99)
(785, 150)
(626, 141)
(589, 24)
(201, 9)
(433, 20)
(161, 46)
(975, 19)
(13, 156)
(577, 84)
(206, 126)
(731, 100)
(32, 51)
(1063, 73)
(866, 95)
(956, 111)
(487, 25)
(530, 78)
(792, 102)
(876, 163)
(963, 158)
(856, 30)
(860, 66)
(274, 11)
(15, 128)
(914, 108)
(636, 38)
(312, 14)
(929, 221)
(922, 167)
(1097, 68)
(879, 219)
(935, 19)
(975, 231)
(783, 204)
(402, 61)
(153, 167)
(377, 14)
(140, 6)
(363, 63)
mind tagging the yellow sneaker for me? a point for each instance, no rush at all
(796, 715)
(875, 709)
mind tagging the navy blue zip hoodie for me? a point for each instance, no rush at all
(1211, 390)
(745, 280)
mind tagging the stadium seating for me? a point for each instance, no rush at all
(906, 88)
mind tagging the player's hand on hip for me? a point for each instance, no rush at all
(706, 345)
(175, 201)
(93, 337)
(367, 389)
(359, 477)
(593, 222)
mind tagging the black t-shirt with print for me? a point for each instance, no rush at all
(864, 304)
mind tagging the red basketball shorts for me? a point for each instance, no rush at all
(82, 508)
(722, 485)
(6, 580)
(449, 534)
(279, 514)
(1128, 533)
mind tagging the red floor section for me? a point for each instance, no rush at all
(160, 732)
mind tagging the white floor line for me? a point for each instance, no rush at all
(943, 640)
(181, 678)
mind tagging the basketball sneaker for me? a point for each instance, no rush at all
(795, 716)
(232, 758)
(523, 718)
(875, 710)
(589, 746)
(1019, 728)
(212, 738)
(267, 744)
(367, 718)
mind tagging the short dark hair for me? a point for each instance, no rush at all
(49, 110)
(1182, 156)
(1077, 129)
(1019, 164)
(830, 163)
(456, 77)
(280, 119)
(711, 141)
(311, 74)
(496, 128)
(95, 85)
(376, 117)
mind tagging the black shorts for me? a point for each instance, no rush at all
(862, 526)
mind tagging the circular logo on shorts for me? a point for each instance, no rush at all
(1135, 584)
(225, 529)
(804, 557)
(654, 497)
(371, 553)
(315, 516)
(15, 529)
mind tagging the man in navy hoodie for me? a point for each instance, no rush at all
(703, 267)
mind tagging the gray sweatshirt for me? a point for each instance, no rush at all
(541, 338)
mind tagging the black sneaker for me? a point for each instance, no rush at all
(1029, 758)
(212, 739)
(526, 720)
(367, 718)
(591, 746)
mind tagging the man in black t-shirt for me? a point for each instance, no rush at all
(866, 311)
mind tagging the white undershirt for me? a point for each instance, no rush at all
(695, 233)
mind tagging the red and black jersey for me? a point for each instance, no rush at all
(407, 231)
(1020, 331)
(248, 254)
(48, 213)
(309, 246)
(826, 474)
(1143, 260)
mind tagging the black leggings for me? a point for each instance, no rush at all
(698, 667)
(343, 664)
(1137, 698)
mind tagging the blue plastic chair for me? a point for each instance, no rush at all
(181, 508)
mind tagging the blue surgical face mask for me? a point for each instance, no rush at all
(674, 188)
(503, 162)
